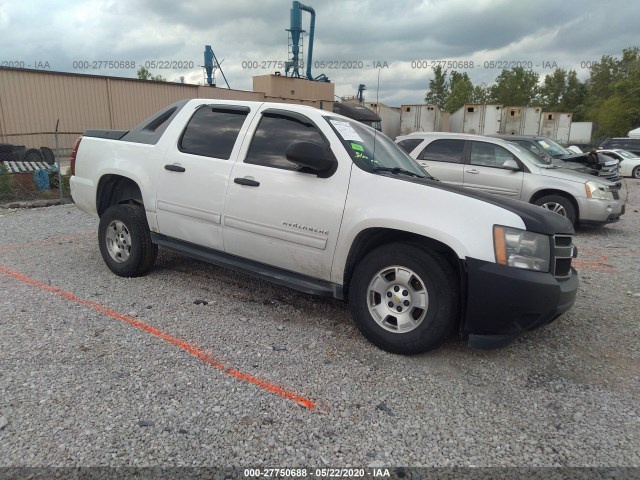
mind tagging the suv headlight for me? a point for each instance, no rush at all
(521, 249)
(598, 190)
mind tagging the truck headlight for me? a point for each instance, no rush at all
(521, 249)
(598, 190)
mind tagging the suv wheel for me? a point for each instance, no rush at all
(404, 299)
(125, 241)
(558, 204)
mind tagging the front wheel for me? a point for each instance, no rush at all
(404, 299)
(560, 205)
(635, 173)
(125, 241)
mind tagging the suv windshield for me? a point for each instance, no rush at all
(524, 152)
(373, 151)
(554, 149)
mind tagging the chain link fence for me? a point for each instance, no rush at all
(31, 172)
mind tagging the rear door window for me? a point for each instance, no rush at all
(409, 144)
(444, 150)
(213, 131)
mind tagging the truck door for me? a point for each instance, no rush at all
(486, 170)
(444, 160)
(276, 213)
(193, 181)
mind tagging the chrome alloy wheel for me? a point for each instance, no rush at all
(118, 240)
(397, 299)
(555, 207)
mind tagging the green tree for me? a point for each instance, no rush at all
(575, 96)
(144, 74)
(562, 91)
(480, 94)
(552, 91)
(613, 93)
(460, 91)
(515, 87)
(438, 88)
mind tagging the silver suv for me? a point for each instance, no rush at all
(496, 166)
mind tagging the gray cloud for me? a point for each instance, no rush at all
(563, 34)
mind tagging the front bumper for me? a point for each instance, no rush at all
(593, 210)
(504, 302)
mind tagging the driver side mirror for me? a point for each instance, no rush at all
(511, 165)
(318, 158)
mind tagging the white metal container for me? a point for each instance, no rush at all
(477, 119)
(389, 116)
(556, 125)
(580, 133)
(420, 118)
(521, 120)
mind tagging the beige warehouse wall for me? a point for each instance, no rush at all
(31, 101)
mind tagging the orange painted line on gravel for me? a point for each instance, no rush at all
(193, 350)
(47, 241)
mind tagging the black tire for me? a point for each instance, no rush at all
(33, 155)
(125, 240)
(558, 204)
(49, 156)
(635, 173)
(433, 275)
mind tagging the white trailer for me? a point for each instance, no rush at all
(556, 125)
(521, 120)
(420, 118)
(389, 116)
(477, 119)
(580, 133)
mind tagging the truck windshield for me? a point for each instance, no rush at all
(373, 151)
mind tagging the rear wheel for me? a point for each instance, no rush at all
(635, 173)
(558, 204)
(125, 241)
(404, 299)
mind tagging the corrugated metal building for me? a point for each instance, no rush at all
(32, 101)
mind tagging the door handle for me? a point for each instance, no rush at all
(246, 181)
(174, 168)
(473, 171)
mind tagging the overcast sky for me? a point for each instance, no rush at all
(367, 33)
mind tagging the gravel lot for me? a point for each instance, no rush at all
(81, 388)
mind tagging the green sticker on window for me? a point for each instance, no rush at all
(357, 147)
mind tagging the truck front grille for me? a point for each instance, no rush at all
(563, 252)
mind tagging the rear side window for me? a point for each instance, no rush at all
(409, 144)
(488, 155)
(448, 150)
(212, 132)
(274, 135)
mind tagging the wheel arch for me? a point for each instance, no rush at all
(551, 191)
(372, 238)
(115, 189)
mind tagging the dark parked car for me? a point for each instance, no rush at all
(552, 152)
(624, 143)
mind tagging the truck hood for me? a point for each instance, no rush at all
(535, 218)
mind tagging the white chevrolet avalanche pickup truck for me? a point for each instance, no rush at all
(323, 204)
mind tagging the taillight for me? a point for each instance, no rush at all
(74, 152)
